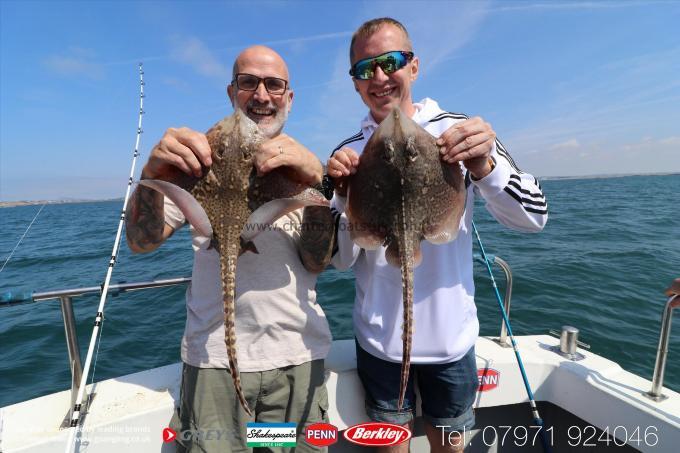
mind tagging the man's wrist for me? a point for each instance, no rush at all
(488, 168)
(145, 174)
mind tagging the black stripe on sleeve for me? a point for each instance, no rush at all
(522, 199)
(536, 211)
(354, 138)
(525, 201)
(444, 115)
(524, 191)
(500, 149)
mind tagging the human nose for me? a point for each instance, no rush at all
(378, 74)
(261, 91)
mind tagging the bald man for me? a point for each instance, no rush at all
(282, 333)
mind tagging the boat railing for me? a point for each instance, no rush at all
(662, 351)
(502, 339)
(66, 296)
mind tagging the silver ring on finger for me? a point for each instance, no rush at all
(280, 150)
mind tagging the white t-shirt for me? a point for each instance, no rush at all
(444, 311)
(278, 322)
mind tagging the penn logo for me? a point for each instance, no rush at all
(377, 434)
(488, 379)
(321, 434)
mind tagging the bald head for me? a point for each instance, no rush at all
(260, 56)
(268, 110)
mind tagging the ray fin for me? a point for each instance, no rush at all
(192, 210)
(272, 210)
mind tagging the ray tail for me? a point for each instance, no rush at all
(228, 292)
(406, 257)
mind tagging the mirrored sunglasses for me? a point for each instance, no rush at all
(389, 62)
(249, 82)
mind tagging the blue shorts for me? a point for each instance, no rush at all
(447, 390)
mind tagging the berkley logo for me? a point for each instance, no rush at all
(488, 379)
(377, 434)
(321, 434)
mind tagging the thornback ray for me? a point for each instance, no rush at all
(403, 193)
(229, 192)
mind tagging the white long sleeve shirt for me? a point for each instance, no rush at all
(445, 315)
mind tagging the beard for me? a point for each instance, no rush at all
(270, 125)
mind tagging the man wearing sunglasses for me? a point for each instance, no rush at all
(283, 336)
(445, 317)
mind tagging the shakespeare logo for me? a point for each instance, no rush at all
(270, 434)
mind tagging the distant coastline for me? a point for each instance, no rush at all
(607, 176)
(12, 204)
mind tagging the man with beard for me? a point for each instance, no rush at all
(283, 335)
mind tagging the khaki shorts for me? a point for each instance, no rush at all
(211, 419)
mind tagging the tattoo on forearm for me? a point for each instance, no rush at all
(144, 219)
(317, 236)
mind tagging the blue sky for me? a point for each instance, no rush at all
(571, 88)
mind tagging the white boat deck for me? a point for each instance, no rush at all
(129, 413)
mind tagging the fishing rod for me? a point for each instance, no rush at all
(22, 237)
(534, 409)
(74, 428)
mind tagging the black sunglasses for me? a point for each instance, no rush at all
(249, 82)
(389, 62)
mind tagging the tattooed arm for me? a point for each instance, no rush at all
(317, 237)
(179, 152)
(145, 227)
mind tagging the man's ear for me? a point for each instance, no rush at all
(290, 99)
(230, 94)
(414, 68)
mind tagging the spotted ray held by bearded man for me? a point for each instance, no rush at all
(402, 193)
(231, 203)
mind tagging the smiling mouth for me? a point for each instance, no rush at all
(384, 93)
(261, 111)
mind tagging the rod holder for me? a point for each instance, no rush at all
(72, 344)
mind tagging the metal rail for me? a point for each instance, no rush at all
(662, 351)
(66, 296)
(503, 337)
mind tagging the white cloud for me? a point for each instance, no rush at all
(175, 82)
(670, 141)
(305, 39)
(594, 157)
(193, 52)
(75, 61)
(569, 144)
(573, 5)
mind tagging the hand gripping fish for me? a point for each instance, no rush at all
(230, 203)
(402, 193)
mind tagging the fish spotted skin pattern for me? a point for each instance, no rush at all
(231, 195)
(402, 193)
